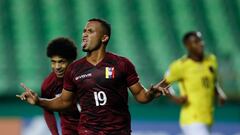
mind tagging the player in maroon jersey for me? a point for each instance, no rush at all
(100, 80)
(61, 51)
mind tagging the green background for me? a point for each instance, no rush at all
(148, 32)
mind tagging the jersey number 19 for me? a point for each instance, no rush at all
(100, 98)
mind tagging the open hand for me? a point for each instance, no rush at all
(29, 96)
(158, 90)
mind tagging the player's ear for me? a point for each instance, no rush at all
(105, 38)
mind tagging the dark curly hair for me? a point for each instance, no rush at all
(63, 47)
(190, 34)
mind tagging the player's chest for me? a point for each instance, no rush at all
(103, 75)
(200, 70)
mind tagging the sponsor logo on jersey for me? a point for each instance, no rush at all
(83, 76)
(109, 72)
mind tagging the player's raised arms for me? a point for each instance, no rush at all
(59, 103)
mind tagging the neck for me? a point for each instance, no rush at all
(196, 57)
(96, 56)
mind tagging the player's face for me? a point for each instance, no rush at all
(92, 36)
(195, 45)
(59, 65)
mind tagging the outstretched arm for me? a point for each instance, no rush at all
(51, 122)
(220, 93)
(177, 99)
(142, 95)
(62, 102)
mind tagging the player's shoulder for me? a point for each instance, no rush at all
(118, 58)
(78, 62)
(210, 57)
(51, 78)
(114, 56)
(180, 61)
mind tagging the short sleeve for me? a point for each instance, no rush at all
(214, 62)
(215, 65)
(131, 74)
(68, 83)
(174, 73)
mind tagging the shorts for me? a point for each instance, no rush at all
(85, 131)
(196, 129)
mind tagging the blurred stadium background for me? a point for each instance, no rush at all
(148, 32)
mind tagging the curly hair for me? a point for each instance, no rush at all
(190, 34)
(63, 47)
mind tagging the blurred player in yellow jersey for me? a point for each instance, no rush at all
(196, 74)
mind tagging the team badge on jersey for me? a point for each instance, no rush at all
(109, 72)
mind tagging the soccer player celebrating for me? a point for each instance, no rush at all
(100, 80)
(196, 73)
(61, 51)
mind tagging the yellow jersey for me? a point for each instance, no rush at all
(196, 81)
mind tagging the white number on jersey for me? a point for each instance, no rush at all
(100, 98)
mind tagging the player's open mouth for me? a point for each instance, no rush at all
(84, 43)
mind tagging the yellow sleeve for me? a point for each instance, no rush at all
(175, 72)
(214, 61)
(215, 65)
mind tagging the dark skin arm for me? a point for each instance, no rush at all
(62, 102)
(177, 99)
(142, 95)
(220, 94)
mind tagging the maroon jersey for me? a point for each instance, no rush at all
(102, 93)
(52, 87)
